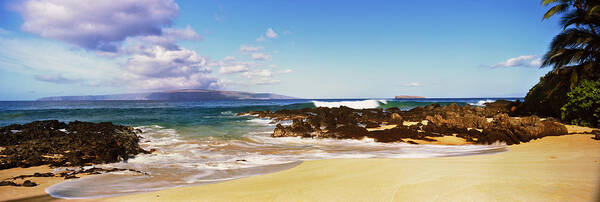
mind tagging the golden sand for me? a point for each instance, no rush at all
(27, 193)
(562, 168)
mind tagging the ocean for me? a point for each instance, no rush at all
(205, 142)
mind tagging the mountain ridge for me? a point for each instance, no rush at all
(174, 95)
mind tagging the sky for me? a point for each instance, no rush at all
(306, 49)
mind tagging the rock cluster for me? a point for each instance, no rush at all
(60, 144)
(468, 122)
(67, 174)
(26, 183)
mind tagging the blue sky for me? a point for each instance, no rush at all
(308, 49)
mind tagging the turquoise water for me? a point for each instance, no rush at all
(173, 114)
(205, 142)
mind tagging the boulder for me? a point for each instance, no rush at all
(396, 119)
(348, 132)
(60, 144)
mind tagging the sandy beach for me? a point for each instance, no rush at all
(562, 168)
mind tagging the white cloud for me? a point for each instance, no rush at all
(258, 73)
(230, 66)
(265, 81)
(161, 62)
(55, 78)
(158, 68)
(138, 31)
(261, 56)
(37, 56)
(193, 81)
(520, 61)
(97, 25)
(249, 49)
(233, 68)
(170, 36)
(271, 33)
(413, 84)
(285, 71)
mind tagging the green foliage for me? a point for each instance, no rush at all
(583, 105)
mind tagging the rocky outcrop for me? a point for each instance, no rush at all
(468, 122)
(60, 144)
(67, 174)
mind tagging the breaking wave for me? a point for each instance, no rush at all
(362, 104)
(179, 161)
(482, 102)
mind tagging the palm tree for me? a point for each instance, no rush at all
(574, 55)
(578, 45)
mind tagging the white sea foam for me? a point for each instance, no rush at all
(261, 121)
(482, 102)
(178, 161)
(362, 104)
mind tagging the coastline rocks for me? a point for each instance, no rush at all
(396, 119)
(471, 123)
(60, 144)
(67, 174)
(26, 183)
(522, 129)
(347, 132)
(398, 133)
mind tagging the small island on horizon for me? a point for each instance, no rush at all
(407, 97)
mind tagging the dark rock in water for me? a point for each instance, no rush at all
(279, 131)
(499, 106)
(59, 144)
(463, 120)
(347, 132)
(398, 133)
(396, 119)
(493, 135)
(371, 124)
(523, 129)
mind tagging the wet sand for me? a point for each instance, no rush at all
(562, 168)
(37, 193)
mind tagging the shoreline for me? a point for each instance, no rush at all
(551, 162)
(558, 168)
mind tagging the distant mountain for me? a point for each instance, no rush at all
(175, 95)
